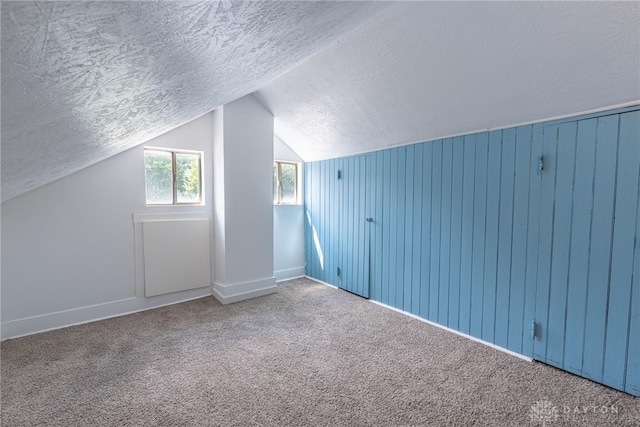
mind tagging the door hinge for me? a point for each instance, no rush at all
(534, 329)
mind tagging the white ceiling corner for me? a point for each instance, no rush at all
(82, 81)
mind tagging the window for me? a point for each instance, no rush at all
(173, 177)
(285, 183)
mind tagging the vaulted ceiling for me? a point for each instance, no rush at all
(426, 70)
(82, 81)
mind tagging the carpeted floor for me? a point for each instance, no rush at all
(307, 355)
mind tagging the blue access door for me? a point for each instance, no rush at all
(587, 308)
(355, 220)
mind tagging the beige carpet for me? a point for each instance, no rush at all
(307, 355)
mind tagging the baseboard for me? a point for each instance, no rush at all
(76, 316)
(321, 282)
(289, 273)
(492, 345)
(230, 293)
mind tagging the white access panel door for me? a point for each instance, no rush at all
(176, 255)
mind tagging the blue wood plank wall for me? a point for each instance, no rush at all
(470, 233)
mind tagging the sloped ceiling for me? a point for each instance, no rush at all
(82, 81)
(426, 70)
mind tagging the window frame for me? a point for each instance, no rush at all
(174, 179)
(277, 199)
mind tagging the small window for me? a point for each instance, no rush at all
(285, 183)
(173, 177)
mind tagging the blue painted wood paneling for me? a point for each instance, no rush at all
(445, 234)
(630, 131)
(469, 232)
(407, 251)
(479, 233)
(456, 231)
(622, 252)
(425, 247)
(436, 229)
(517, 302)
(505, 234)
(603, 203)
(491, 236)
(416, 248)
(580, 245)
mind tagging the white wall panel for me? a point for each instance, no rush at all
(176, 256)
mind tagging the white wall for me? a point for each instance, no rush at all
(244, 204)
(69, 248)
(288, 224)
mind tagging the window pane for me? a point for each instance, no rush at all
(157, 176)
(288, 179)
(275, 183)
(188, 178)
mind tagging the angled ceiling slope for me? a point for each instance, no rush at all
(82, 81)
(426, 70)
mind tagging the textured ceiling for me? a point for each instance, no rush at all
(425, 70)
(82, 81)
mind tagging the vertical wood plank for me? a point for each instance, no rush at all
(355, 234)
(436, 209)
(416, 251)
(379, 221)
(547, 192)
(533, 231)
(408, 228)
(626, 201)
(632, 382)
(445, 236)
(314, 214)
(394, 217)
(346, 241)
(491, 236)
(340, 222)
(456, 231)
(367, 227)
(580, 245)
(467, 232)
(601, 232)
(479, 228)
(519, 239)
(356, 230)
(400, 223)
(560, 250)
(334, 201)
(425, 255)
(386, 227)
(323, 219)
(307, 206)
(505, 230)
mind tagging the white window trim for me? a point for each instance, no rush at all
(278, 196)
(173, 152)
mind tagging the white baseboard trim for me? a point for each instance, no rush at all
(289, 273)
(462, 334)
(321, 282)
(91, 313)
(234, 292)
